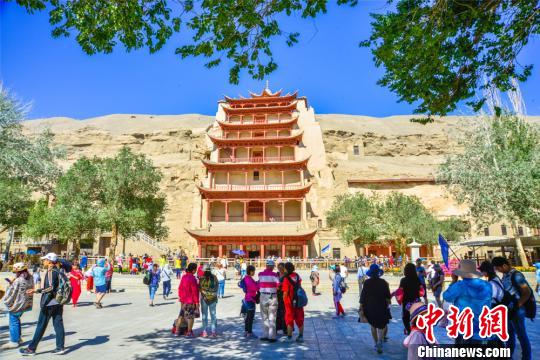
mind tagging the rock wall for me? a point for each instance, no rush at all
(387, 148)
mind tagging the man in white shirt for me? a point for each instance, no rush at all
(344, 272)
(361, 275)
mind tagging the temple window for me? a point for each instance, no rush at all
(356, 150)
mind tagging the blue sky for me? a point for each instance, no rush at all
(327, 66)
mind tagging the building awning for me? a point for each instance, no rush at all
(253, 231)
(497, 241)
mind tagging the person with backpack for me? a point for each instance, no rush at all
(374, 305)
(338, 289)
(188, 295)
(471, 292)
(208, 285)
(314, 277)
(497, 288)
(250, 288)
(295, 299)
(436, 282)
(100, 283)
(520, 306)
(269, 283)
(166, 276)
(17, 302)
(361, 275)
(154, 277)
(55, 288)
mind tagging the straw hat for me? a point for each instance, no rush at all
(467, 269)
(18, 267)
(417, 309)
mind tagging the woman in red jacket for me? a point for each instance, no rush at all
(188, 295)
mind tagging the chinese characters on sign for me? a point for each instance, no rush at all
(492, 322)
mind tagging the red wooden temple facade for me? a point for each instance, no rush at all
(253, 198)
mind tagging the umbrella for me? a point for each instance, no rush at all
(239, 252)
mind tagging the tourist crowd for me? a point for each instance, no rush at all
(278, 293)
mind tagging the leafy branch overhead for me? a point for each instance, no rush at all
(435, 53)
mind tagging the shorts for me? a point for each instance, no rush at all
(294, 315)
(101, 289)
(190, 311)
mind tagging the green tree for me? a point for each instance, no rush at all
(130, 197)
(498, 174)
(438, 53)
(356, 219)
(435, 53)
(396, 218)
(15, 203)
(26, 165)
(76, 210)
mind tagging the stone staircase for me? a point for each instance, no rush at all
(142, 243)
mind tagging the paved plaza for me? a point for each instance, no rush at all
(127, 328)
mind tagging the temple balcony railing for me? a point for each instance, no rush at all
(240, 219)
(221, 136)
(256, 159)
(233, 187)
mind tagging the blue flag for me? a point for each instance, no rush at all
(444, 249)
(325, 249)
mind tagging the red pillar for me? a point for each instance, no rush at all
(282, 179)
(305, 251)
(228, 181)
(283, 251)
(264, 211)
(220, 249)
(262, 251)
(282, 211)
(390, 250)
(226, 211)
(208, 204)
(279, 153)
(245, 211)
(199, 250)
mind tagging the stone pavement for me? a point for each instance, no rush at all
(127, 328)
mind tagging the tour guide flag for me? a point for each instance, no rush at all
(444, 249)
(325, 249)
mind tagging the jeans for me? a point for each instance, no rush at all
(108, 282)
(55, 312)
(269, 305)
(213, 318)
(248, 322)
(516, 326)
(167, 288)
(221, 288)
(15, 326)
(152, 290)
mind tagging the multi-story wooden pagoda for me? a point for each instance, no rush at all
(253, 198)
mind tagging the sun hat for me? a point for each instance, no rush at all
(270, 262)
(18, 267)
(51, 257)
(417, 309)
(374, 270)
(467, 269)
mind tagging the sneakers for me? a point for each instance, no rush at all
(300, 339)
(288, 339)
(27, 352)
(204, 334)
(59, 351)
(214, 335)
(10, 345)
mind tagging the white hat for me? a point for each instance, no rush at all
(51, 257)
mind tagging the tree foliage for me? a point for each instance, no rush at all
(396, 218)
(120, 193)
(26, 164)
(498, 173)
(435, 53)
(438, 53)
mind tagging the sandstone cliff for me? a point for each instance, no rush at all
(390, 147)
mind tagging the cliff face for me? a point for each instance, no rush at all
(357, 147)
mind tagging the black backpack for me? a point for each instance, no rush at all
(530, 304)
